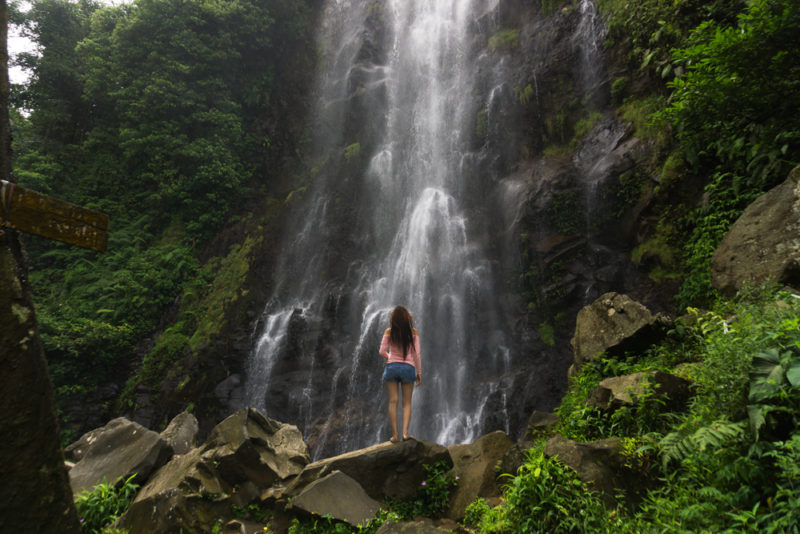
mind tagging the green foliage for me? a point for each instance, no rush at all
(547, 334)
(328, 525)
(506, 38)
(432, 495)
(676, 446)
(104, 504)
(161, 115)
(774, 398)
(546, 496)
(481, 123)
(352, 151)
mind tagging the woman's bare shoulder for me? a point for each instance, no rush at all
(414, 331)
(387, 331)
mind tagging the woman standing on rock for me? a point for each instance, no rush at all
(400, 349)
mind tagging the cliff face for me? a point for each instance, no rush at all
(553, 184)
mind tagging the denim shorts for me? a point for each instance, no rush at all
(399, 372)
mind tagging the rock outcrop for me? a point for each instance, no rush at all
(764, 242)
(245, 455)
(600, 464)
(338, 496)
(386, 470)
(614, 392)
(181, 433)
(614, 324)
(120, 449)
(476, 465)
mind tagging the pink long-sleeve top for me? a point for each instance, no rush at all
(394, 354)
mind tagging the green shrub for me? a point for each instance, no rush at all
(104, 504)
(432, 496)
(547, 496)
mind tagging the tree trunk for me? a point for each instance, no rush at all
(35, 494)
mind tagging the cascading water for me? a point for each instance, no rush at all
(401, 211)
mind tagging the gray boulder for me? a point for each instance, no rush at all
(764, 242)
(181, 433)
(385, 470)
(245, 455)
(540, 424)
(614, 324)
(618, 391)
(476, 465)
(118, 450)
(600, 464)
(336, 495)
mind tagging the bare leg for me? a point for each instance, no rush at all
(408, 391)
(391, 388)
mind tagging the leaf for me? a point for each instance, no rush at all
(757, 420)
(793, 373)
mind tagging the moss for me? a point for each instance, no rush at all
(565, 213)
(231, 272)
(547, 334)
(504, 39)
(639, 113)
(481, 123)
(352, 151)
(584, 126)
(619, 89)
(524, 94)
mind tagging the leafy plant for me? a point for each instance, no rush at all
(432, 496)
(774, 389)
(548, 496)
(104, 504)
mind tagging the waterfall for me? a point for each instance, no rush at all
(402, 208)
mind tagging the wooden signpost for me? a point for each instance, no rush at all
(35, 213)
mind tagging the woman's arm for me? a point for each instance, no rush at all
(384, 350)
(417, 359)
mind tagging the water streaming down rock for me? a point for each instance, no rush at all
(406, 207)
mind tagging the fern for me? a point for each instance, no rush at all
(677, 446)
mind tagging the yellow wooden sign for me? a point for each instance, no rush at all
(35, 213)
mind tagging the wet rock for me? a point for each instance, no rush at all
(764, 242)
(386, 470)
(118, 450)
(476, 465)
(618, 391)
(614, 324)
(338, 496)
(181, 433)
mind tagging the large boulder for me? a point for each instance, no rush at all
(600, 464)
(764, 242)
(118, 450)
(386, 470)
(614, 324)
(181, 433)
(618, 391)
(339, 496)
(246, 455)
(476, 465)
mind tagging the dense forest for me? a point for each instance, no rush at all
(182, 121)
(174, 118)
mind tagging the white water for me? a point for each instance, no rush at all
(403, 228)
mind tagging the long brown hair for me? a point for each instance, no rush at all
(402, 329)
